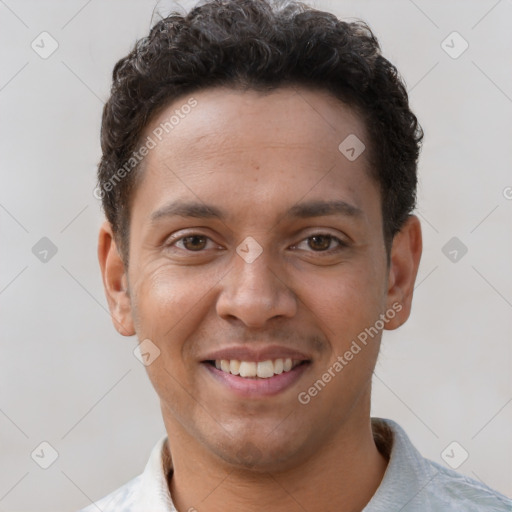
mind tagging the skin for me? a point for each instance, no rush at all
(255, 156)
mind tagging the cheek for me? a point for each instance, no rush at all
(345, 301)
(168, 303)
(167, 308)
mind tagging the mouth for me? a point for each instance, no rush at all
(256, 379)
(256, 369)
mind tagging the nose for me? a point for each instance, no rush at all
(254, 293)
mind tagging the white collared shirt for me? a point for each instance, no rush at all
(411, 483)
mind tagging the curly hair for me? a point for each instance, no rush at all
(260, 45)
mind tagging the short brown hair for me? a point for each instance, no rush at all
(260, 45)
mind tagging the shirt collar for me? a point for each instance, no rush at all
(404, 460)
(408, 473)
(153, 492)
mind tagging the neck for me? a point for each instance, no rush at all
(343, 476)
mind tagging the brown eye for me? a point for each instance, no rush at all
(320, 242)
(194, 243)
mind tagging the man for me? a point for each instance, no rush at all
(258, 178)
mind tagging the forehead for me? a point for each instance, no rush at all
(231, 120)
(249, 147)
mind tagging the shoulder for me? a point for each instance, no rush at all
(121, 500)
(455, 491)
(413, 483)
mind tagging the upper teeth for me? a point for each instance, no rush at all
(262, 369)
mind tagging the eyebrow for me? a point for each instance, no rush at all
(189, 209)
(317, 208)
(323, 208)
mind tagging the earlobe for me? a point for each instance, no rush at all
(403, 269)
(115, 281)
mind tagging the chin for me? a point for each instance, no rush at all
(261, 454)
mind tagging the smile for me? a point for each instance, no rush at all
(252, 369)
(256, 380)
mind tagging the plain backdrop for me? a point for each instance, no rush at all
(68, 379)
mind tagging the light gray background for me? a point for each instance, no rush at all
(69, 379)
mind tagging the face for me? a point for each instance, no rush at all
(256, 245)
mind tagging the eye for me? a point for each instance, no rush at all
(321, 242)
(192, 243)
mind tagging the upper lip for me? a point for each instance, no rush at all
(244, 353)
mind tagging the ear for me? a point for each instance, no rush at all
(403, 268)
(115, 281)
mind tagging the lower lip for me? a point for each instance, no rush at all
(254, 387)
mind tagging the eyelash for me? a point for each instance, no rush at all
(341, 243)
